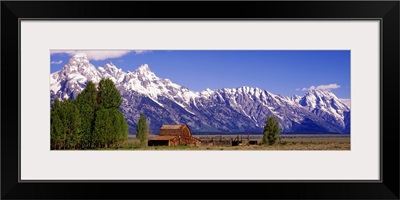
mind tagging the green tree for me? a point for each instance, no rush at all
(57, 133)
(65, 125)
(272, 131)
(121, 127)
(108, 95)
(56, 105)
(72, 124)
(110, 128)
(102, 128)
(92, 120)
(142, 130)
(87, 105)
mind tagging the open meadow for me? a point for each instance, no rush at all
(253, 142)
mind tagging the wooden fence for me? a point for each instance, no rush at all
(227, 141)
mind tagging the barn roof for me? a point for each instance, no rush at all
(172, 126)
(163, 138)
(175, 130)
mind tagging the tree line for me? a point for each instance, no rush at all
(91, 120)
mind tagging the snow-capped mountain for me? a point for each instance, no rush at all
(242, 109)
(72, 79)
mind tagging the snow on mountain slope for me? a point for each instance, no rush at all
(242, 109)
(325, 105)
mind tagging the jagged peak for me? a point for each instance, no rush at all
(245, 88)
(145, 73)
(207, 91)
(144, 68)
(319, 92)
(296, 96)
(78, 58)
(78, 63)
(110, 65)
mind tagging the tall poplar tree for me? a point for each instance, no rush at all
(110, 126)
(65, 125)
(87, 105)
(142, 130)
(57, 133)
(92, 120)
(108, 95)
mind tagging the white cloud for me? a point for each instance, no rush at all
(99, 54)
(323, 87)
(328, 87)
(56, 62)
(297, 89)
(346, 101)
(142, 51)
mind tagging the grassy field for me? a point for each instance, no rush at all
(294, 143)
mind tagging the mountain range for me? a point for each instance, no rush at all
(234, 110)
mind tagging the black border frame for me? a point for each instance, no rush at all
(204, 19)
(386, 11)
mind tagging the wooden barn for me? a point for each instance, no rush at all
(173, 135)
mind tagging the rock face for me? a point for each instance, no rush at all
(242, 109)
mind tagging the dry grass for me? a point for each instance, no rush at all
(331, 143)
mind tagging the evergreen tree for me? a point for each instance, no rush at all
(142, 130)
(102, 128)
(65, 125)
(72, 124)
(56, 105)
(110, 128)
(92, 120)
(57, 133)
(121, 127)
(272, 131)
(108, 95)
(86, 103)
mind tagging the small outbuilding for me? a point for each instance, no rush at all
(173, 135)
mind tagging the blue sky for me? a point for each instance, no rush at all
(281, 72)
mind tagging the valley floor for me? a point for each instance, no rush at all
(286, 143)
